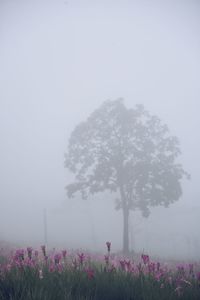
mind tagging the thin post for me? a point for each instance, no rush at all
(45, 226)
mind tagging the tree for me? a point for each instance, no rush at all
(128, 152)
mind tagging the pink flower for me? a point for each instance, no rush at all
(181, 269)
(29, 250)
(145, 258)
(122, 264)
(81, 257)
(108, 244)
(158, 276)
(19, 255)
(128, 265)
(51, 268)
(106, 258)
(57, 258)
(158, 266)
(151, 267)
(112, 268)
(64, 253)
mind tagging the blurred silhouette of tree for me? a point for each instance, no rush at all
(128, 152)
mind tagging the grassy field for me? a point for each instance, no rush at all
(27, 274)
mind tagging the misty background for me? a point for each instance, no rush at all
(59, 60)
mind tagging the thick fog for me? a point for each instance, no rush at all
(59, 60)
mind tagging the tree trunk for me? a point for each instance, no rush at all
(125, 211)
(125, 230)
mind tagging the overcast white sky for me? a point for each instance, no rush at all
(59, 60)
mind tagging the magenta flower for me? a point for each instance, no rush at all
(64, 253)
(81, 257)
(145, 258)
(158, 266)
(122, 264)
(181, 269)
(108, 244)
(151, 267)
(52, 268)
(19, 255)
(57, 258)
(29, 250)
(106, 258)
(112, 269)
(128, 265)
(158, 275)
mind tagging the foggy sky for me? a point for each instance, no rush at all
(59, 60)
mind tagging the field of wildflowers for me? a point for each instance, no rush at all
(28, 274)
